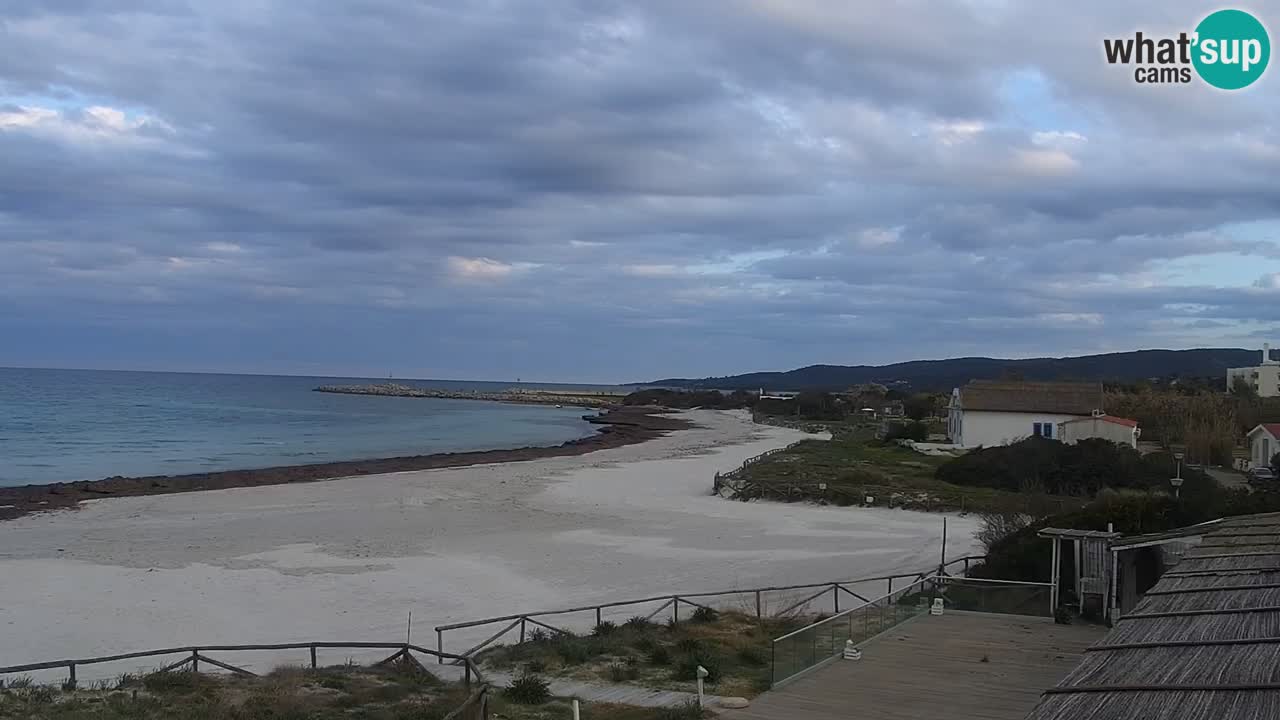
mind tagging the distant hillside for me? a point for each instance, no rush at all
(946, 374)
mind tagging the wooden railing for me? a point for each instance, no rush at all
(837, 590)
(730, 479)
(196, 655)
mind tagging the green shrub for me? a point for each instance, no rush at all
(621, 673)
(573, 650)
(705, 615)
(528, 689)
(603, 629)
(686, 668)
(645, 643)
(689, 645)
(638, 623)
(535, 666)
(687, 711)
(538, 635)
(659, 656)
(914, 430)
(172, 681)
(753, 656)
(22, 682)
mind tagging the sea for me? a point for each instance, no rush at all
(69, 425)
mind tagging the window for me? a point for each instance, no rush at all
(1042, 429)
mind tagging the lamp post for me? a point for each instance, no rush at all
(1176, 481)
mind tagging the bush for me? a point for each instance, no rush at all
(689, 645)
(529, 689)
(659, 656)
(705, 615)
(753, 656)
(539, 636)
(687, 711)
(535, 666)
(572, 650)
(1040, 465)
(603, 629)
(638, 623)
(686, 668)
(914, 430)
(621, 673)
(172, 681)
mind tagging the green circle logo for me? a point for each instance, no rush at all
(1232, 49)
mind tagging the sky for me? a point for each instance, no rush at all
(603, 191)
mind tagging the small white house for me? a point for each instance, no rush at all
(1108, 427)
(996, 412)
(1264, 443)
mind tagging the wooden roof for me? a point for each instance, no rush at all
(1201, 644)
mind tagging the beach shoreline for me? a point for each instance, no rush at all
(349, 558)
(618, 427)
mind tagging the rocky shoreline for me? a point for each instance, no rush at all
(618, 427)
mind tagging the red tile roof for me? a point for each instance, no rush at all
(1273, 428)
(1120, 420)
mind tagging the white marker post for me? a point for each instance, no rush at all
(702, 673)
(576, 712)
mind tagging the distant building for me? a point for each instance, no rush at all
(1264, 378)
(996, 412)
(1264, 443)
(1100, 425)
(777, 395)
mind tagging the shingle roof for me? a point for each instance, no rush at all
(1201, 643)
(1063, 398)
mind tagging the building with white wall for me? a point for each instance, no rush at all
(1100, 425)
(996, 412)
(1264, 378)
(1264, 443)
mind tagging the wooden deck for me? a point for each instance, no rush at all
(931, 667)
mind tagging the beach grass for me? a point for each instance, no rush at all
(287, 693)
(733, 646)
(854, 467)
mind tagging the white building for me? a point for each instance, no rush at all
(1264, 443)
(996, 412)
(1108, 427)
(1264, 378)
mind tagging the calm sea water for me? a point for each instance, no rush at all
(63, 425)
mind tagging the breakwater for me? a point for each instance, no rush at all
(534, 397)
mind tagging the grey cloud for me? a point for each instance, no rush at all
(308, 168)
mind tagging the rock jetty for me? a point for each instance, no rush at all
(535, 397)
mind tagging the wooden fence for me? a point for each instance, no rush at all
(734, 477)
(898, 497)
(837, 590)
(195, 656)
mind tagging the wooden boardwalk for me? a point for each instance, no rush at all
(932, 667)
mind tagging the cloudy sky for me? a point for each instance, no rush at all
(612, 191)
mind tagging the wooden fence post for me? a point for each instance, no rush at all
(835, 597)
(195, 661)
(675, 608)
(71, 670)
(522, 623)
(597, 616)
(758, 604)
(440, 646)
(313, 657)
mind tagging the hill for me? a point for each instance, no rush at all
(945, 374)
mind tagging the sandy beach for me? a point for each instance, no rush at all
(348, 559)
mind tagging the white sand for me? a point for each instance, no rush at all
(348, 559)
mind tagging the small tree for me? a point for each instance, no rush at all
(997, 526)
(1240, 387)
(1275, 463)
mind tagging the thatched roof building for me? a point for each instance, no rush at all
(1202, 644)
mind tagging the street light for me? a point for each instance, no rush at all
(1176, 481)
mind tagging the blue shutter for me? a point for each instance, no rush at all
(1037, 427)
(1048, 430)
